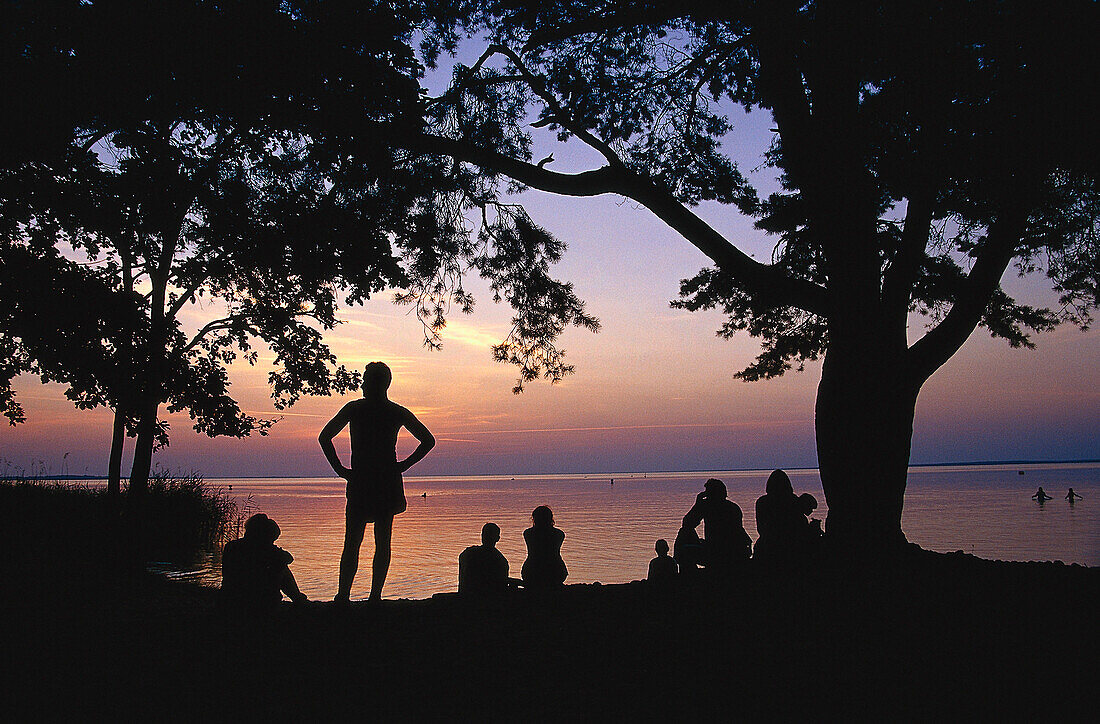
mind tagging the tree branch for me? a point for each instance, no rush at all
(898, 279)
(224, 323)
(605, 180)
(935, 348)
(560, 114)
(184, 296)
(767, 284)
(770, 285)
(469, 74)
(783, 85)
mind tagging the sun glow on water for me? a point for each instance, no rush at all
(610, 529)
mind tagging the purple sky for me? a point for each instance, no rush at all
(653, 390)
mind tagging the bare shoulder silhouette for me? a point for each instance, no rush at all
(375, 490)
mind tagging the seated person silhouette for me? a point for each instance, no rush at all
(1072, 496)
(1041, 496)
(807, 504)
(256, 572)
(687, 549)
(781, 522)
(483, 570)
(544, 568)
(725, 543)
(663, 568)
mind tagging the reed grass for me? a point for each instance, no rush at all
(48, 523)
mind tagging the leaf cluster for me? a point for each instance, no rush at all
(240, 162)
(905, 133)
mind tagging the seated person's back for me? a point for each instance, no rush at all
(663, 567)
(544, 567)
(780, 519)
(254, 570)
(688, 549)
(483, 569)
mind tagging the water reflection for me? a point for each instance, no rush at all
(610, 530)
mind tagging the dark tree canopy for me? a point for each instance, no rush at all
(922, 149)
(232, 155)
(937, 117)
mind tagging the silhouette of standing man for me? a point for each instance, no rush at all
(375, 490)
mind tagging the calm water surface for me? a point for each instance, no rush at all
(610, 529)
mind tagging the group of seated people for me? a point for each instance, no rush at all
(483, 570)
(256, 572)
(787, 533)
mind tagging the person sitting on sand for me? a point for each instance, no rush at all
(662, 568)
(687, 550)
(375, 489)
(1072, 496)
(1041, 496)
(483, 570)
(780, 520)
(807, 504)
(256, 572)
(725, 543)
(544, 568)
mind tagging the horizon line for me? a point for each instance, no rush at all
(599, 472)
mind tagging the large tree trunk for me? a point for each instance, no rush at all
(114, 465)
(143, 452)
(864, 420)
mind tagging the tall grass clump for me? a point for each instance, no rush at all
(58, 538)
(52, 528)
(184, 516)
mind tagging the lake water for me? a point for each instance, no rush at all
(610, 529)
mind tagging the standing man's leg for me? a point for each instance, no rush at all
(383, 532)
(349, 558)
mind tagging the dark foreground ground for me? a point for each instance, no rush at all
(930, 637)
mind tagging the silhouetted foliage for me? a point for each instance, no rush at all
(914, 144)
(922, 149)
(66, 323)
(256, 156)
(233, 164)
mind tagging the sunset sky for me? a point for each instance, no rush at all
(653, 390)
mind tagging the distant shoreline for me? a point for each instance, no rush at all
(976, 463)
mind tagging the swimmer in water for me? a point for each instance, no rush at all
(1072, 496)
(1041, 496)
